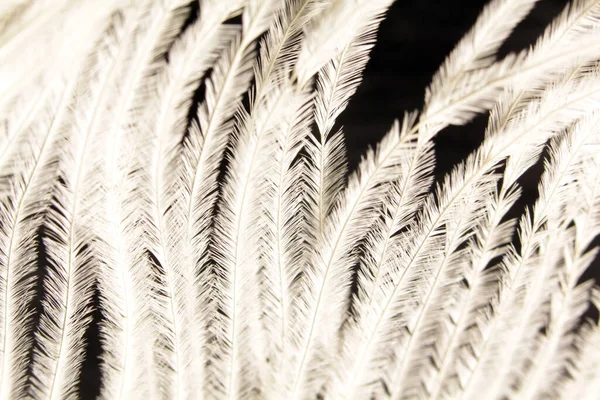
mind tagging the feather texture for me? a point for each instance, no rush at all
(175, 207)
(21, 220)
(70, 245)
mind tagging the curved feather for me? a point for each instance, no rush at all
(556, 191)
(203, 154)
(27, 196)
(126, 332)
(71, 251)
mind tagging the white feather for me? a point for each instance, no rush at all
(71, 252)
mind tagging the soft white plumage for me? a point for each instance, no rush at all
(178, 163)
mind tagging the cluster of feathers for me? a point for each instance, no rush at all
(182, 177)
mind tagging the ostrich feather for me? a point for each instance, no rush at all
(234, 250)
(475, 165)
(562, 170)
(71, 251)
(176, 164)
(23, 205)
(585, 380)
(281, 45)
(328, 283)
(337, 81)
(282, 246)
(475, 53)
(19, 120)
(44, 29)
(334, 29)
(470, 93)
(428, 134)
(172, 297)
(402, 204)
(570, 301)
(123, 284)
(51, 28)
(425, 136)
(252, 145)
(513, 265)
(479, 294)
(204, 148)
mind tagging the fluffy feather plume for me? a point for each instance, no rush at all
(203, 152)
(586, 381)
(254, 143)
(282, 244)
(161, 130)
(123, 284)
(455, 96)
(23, 202)
(333, 31)
(542, 241)
(177, 163)
(72, 252)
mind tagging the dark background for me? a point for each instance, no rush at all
(413, 42)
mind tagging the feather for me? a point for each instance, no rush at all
(585, 373)
(569, 41)
(28, 193)
(230, 254)
(61, 28)
(447, 70)
(561, 174)
(161, 132)
(475, 51)
(203, 151)
(482, 326)
(252, 145)
(475, 165)
(16, 124)
(479, 294)
(12, 11)
(126, 334)
(336, 83)
(282, 242)
(328, 279)
(401, 205)
(281, 45)
(71, 252)
(515, 267)
(333, 30)
(235, 245)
